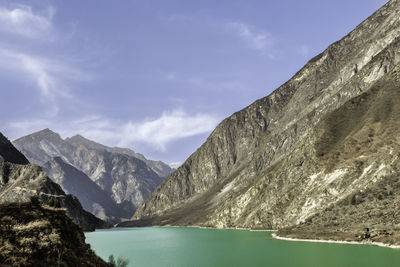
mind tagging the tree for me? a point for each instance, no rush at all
(111, 259)
(121, 262)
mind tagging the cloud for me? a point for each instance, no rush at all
(156, 133)
(50, 76)
(22, 21)
(255, 39)
(169, 127)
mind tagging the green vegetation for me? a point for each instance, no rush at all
(54, 202)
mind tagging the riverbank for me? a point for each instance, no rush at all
(216, 228)
(371, 243)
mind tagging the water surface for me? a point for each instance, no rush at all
(175, 247)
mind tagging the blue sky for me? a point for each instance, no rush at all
(154, 76)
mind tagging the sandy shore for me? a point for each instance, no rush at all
(336, 242)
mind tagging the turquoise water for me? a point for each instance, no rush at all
(168, 246)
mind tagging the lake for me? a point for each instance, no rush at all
(175, 247)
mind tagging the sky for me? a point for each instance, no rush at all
(154, 76)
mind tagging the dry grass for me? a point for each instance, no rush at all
(38, 224)
(34, 236)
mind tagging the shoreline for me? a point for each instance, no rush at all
(215, 228)
(379, 244)
(199, 227)
(275, 236)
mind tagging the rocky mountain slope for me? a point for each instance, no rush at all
(369, 215)
(327, 134)
(19, 182)
(118, 172)
(90, 195)
(162, 169)
(34, 235)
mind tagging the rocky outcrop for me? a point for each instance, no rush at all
(326, 134)
(18, 183)
(119, 173)
(35, 235)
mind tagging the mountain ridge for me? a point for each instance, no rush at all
(127, 179)
(278, 161)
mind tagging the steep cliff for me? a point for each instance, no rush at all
(125, 178)
(326, 134)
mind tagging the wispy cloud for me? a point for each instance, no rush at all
(50, 76)
(21, 20)
(169, 127)
(256, 39)
(156, 133)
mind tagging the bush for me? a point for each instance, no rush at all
(55, 203)
(35, 200)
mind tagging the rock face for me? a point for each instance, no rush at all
(124, 175)
(90, 195)
(162, 169)
(327, 134)
(32, 235)
(18, 183)
(370, 215)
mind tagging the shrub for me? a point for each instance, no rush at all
(55, 203)
(35, 200)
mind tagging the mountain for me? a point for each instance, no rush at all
(90, 195)
(20, 182)
(34, 235)
(162, 169)
(175, 165)
(326, 135)
(119, 173)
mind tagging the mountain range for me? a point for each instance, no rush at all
(110, 182)
(20, 181)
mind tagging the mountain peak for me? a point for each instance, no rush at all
(42, 134)
(78, 140)
(46, 131)
(78, 137)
